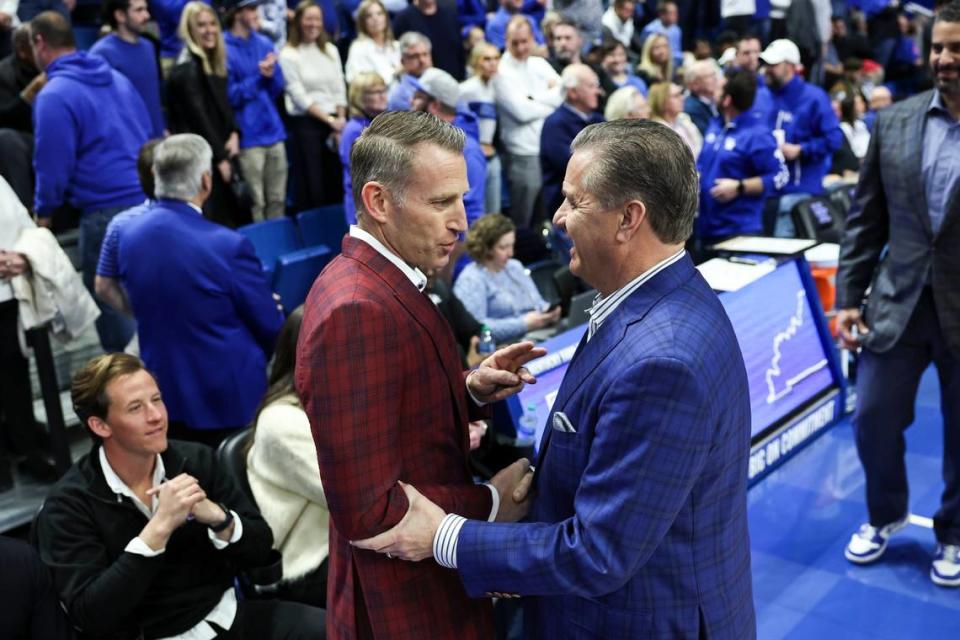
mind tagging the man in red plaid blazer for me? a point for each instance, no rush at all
(379, 376)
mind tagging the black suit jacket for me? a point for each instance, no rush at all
(889, 245)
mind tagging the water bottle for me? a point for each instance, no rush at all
(527, 427)
(487, 346)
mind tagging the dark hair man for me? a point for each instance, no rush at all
(143, 535)
(638, 527)
(740, 165)
(90, 124)
(380, 379)
(133, 52)
(902, 242)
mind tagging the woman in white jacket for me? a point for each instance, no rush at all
(375, 48)
(285, 478)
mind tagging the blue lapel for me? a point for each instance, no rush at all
(590, 354)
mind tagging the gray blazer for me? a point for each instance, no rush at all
(890, 212)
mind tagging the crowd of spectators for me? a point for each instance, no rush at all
(258, 104)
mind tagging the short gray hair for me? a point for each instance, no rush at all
(178, 166)
(413, 38)
(699, 69)
(646, 161)
(621, 102)
(385, 150)
(572, 75)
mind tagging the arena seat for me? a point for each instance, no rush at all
(296, 272)
(323, 226)
(272, 239)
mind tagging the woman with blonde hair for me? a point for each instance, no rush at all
(316, 100)
(666, 107)
(375, 49)
(656, 60)
(197, 103)
(626, 103)
(368, 99)
(478, 94)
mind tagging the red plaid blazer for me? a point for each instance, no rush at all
(379, 376)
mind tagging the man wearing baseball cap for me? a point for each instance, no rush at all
(439, 94)
(805, 126)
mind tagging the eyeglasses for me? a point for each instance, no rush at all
(375, 92)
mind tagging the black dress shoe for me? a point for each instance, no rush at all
(39, 466)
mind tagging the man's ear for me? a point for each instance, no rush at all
(99, 427)
(632, 217)
(376, 201)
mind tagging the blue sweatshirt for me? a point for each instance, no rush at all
(473, 201)
(351, 132)
(89, 123)
(804, 113)
(742, 149)
(138, 62)
(252, 96)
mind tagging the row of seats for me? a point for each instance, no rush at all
(822, 218)
(293, 251)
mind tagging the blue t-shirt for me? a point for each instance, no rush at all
(138, 62)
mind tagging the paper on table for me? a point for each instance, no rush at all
(760, 244)
(723, 275)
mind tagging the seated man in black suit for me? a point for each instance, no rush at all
(144, 536)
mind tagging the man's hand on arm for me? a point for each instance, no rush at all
(847, 321)
(209, 513)
(412, 537)
(177, 499)
(503, 373)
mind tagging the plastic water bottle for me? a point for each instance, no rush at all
(487, 346)
(527, 427)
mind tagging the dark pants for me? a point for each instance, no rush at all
(20, 432)
(114, 328)
(886, 392)
(276, 620)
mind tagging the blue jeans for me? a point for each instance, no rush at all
(783, 226)
(115, 329)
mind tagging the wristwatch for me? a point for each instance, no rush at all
(217, 528)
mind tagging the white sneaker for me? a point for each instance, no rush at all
(869, 543)
(945, 570)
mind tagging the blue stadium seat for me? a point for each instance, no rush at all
(323, 226)
(296, 272)
(272, 239)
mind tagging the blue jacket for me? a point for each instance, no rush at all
(638, 527)
(474, 200)
(496, 31)
(252, 96)
(700, 112)
(89, 123)
(804, 113)
(167, 14)
(742, 149)
(351, 132)
(205, 315)
(138, 62)
(559, 130)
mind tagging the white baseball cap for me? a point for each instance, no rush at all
(439, 85)
(782, 50)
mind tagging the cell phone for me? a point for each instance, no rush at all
(552, 307)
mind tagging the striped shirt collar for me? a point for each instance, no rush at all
(603, 307)
(413, 274)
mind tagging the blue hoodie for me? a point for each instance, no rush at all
(806, 116)
(89, 123)
(252, 96)
(473, 201)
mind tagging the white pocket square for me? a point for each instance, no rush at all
(562, 423)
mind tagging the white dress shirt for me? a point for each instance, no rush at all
(448, 534)
(226, 610)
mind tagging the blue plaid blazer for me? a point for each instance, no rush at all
(639, 525)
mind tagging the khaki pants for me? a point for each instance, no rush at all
(265, 170)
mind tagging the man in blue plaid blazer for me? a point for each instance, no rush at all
(638, 523)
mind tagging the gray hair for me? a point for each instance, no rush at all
(178, 166)
(620, 103)
(412, 38)
(646, 161)
(699, 69)
(385, 150)
(572, 74)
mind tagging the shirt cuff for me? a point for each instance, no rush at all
(470, 393)
(237, 532)
(495, 507)
(445, 540)
(138, 547)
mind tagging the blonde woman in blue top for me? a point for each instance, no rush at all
(495, 288)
